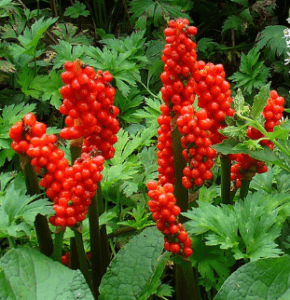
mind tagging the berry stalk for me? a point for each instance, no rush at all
(225, 179)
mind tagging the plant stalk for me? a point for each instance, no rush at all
(58, 240)
(226, 179)
(74, 260)
(100, 260)
(244, 188)
(184, 275)
(82, 255)
(43, 232)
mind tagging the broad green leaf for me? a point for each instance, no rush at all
(261, 279)
(44, 278)
(260, 101)
(134, 274)
(241, 2)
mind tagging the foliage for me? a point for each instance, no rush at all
(140, 263)
(43, 272)
(249, 228)
(258, 279)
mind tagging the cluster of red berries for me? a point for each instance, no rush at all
(165, 212)
(165, 158)
(214, 95)
(70, 188)
(196, 144)
(246, 166)
(88, 105)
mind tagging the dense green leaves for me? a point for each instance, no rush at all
(260, 101)
(262, 279)
(135, 272)
(28, 274)
(249, 228)
(78, 9)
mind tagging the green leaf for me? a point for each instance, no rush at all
(230, 146)
(135, 271)
(239, 102)
(212, 263)
(47, 279)
(262, 279)
(18, 211)
(249, 228)
(272, 37)
(279, 133)
(234, 132)
(263, 181)
(30, 38)
(253, 74)
(260, 101)
(232, 22)
(78, 9)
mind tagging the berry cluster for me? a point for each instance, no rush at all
(246, 166)
(88, 105)
(196, 144)
(179, 57)
(165, 212)
(165, 158)
(70, 188)
(214, 96)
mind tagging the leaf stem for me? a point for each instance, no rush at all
(226, 179)
(147, 89)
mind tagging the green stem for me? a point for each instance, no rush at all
(74, 260)
(95, 239)
(146, 88)
(40, 223)
(58, 240)
(186, 287)
(180, 192)
(82, 255)
(244, 188)
(11, 242)
(226, 179)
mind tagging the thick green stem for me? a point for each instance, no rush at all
(186, 287)
(82, 255)
(41, 224)
(244, 188)
(74, 260)
(100, 256)
(58, 239)
(180, 192)
(226, 179)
